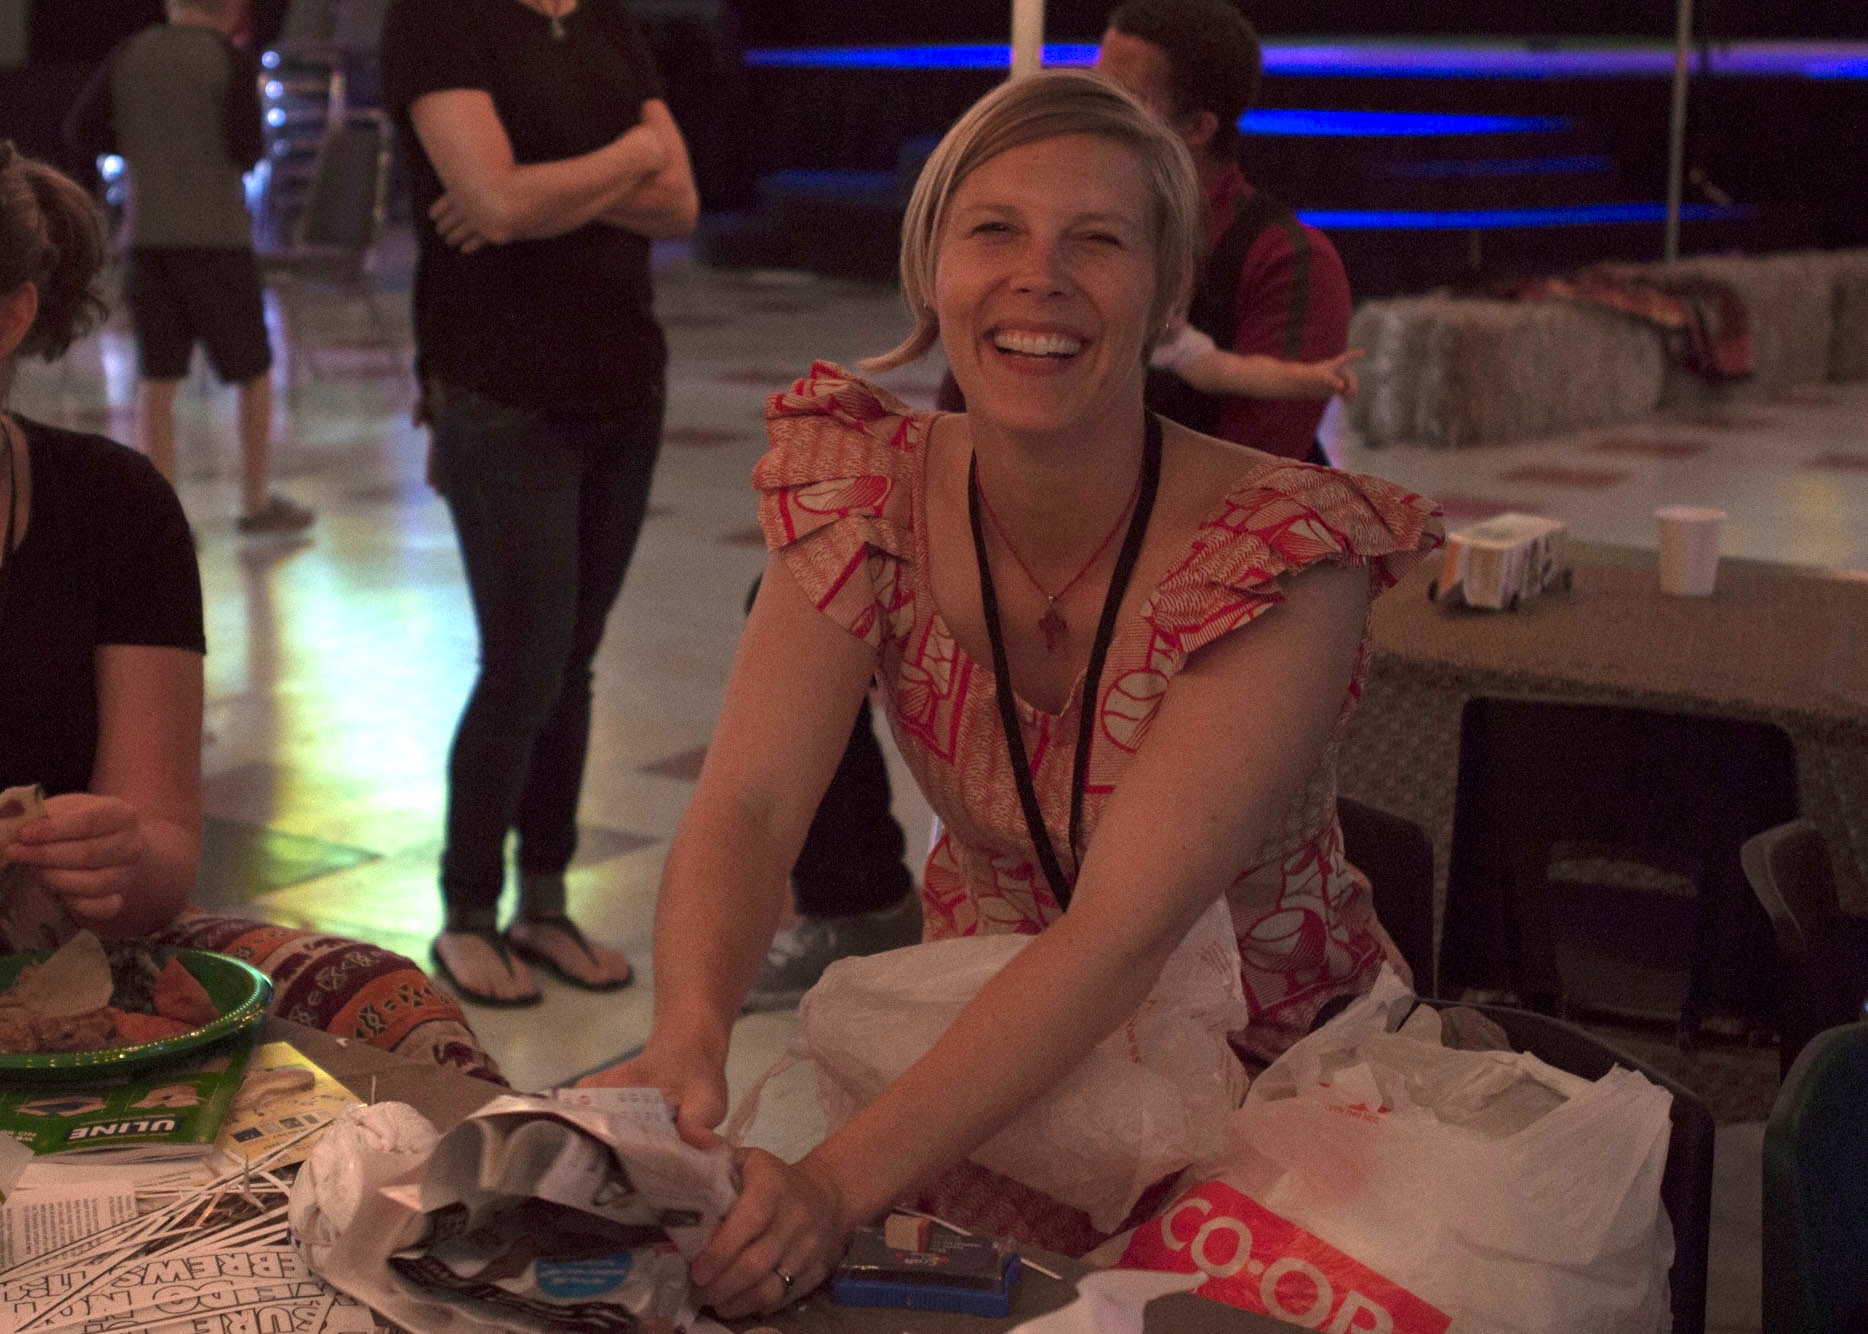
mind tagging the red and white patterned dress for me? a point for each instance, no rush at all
(844, 496)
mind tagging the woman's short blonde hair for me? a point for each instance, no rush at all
(1026, 111)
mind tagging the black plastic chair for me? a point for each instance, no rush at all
(334, 240)
(1816, 1190)
(1397, 857)
(1822, 952)
(1675, 791)
(1686, 1182)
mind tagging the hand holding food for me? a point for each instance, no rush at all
(85, 849)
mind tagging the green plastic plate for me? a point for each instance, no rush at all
(240, 993)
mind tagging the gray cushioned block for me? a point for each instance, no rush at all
(1790, 300)
(1484, 372)
(1393, 334)
(1848, 344)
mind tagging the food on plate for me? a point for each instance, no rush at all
(86, 998)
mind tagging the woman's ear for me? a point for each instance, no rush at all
(1197, 130)
(18, 309)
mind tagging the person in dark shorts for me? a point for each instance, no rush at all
(180, 102)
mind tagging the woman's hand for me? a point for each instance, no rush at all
(451, 221)
(790, 1220)
(86, 849)
(692, 1081)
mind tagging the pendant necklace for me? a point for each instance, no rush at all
(558, 31)
(1143, 504)
(1052, 625)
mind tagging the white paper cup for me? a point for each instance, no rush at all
(1689, 549)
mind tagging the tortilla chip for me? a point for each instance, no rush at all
(133, 1027)
(180, 996)
(74, 981)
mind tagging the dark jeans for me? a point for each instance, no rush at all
(548, 510)
(851, 861)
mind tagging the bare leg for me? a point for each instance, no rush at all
(255, 397)
(155, 414)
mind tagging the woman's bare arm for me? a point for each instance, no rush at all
(492, 199)
(666, 204)
(792, 696)
(1242, 727)
(124, 854)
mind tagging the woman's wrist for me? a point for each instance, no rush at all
(693, 1030)
(847, 1212)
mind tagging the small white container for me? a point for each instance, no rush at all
(1503, 561)
(1689, 549)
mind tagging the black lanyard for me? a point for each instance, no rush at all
(1099, 649)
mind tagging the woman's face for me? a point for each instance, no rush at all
(1044, 282)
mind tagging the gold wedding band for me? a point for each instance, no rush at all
(784, 1277)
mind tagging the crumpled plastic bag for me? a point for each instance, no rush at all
(1151, 1098)
(1378, 1180)
(364, 1148)
(533, 1213)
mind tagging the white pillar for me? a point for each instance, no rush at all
(1676, 130)
(1027, 37)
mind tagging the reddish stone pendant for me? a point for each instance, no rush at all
(1054, 628)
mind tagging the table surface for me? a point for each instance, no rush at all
(1771, 637)
(445, 1097)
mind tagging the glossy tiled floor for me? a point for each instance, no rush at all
(337, 663)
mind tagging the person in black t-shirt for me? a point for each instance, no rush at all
(100, 642)
(101, 650)
(543, 161)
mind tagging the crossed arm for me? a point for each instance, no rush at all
(640, 181)
(1243, 726)
(124, 854)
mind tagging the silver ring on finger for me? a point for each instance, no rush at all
(787, 1278)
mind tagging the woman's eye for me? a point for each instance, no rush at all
(988, 228)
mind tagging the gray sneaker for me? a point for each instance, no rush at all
(799, 956)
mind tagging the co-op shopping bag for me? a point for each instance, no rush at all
(1379, 1181)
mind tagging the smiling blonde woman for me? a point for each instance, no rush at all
(1116, 654)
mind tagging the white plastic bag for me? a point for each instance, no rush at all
(1153, 1097)
(1380, 1181)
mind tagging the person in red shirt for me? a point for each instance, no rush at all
(1271, 285)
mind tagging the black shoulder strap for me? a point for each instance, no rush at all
(1217, 305)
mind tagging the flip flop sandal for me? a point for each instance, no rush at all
(532, 954)
(473, 995)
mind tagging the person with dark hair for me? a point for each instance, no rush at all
(1269, 285)
(543, 160)
(180, 102)
(101, 648)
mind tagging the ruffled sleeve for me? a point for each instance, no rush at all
(1280, 520)
(836, 494)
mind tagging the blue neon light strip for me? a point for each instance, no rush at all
(1391, 59)
(1495, 219)
(1389, 124)
(1578, 164)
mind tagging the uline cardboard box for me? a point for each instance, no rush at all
(1503, 561)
